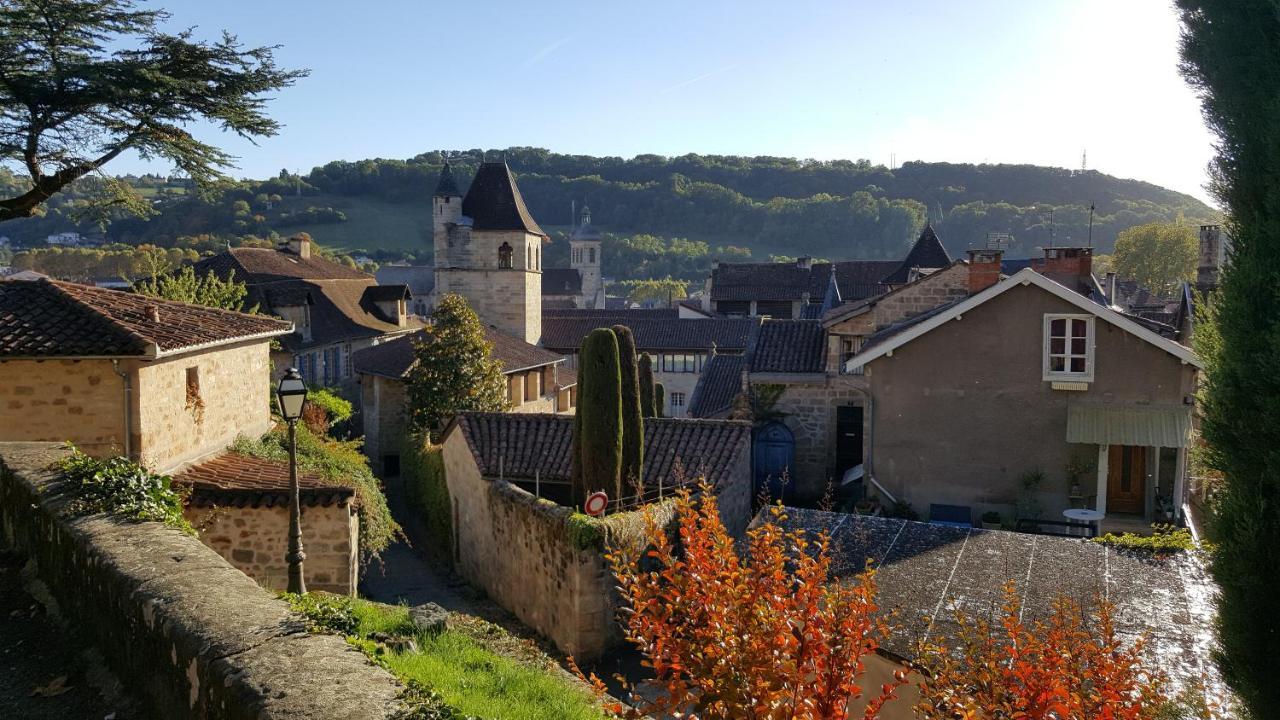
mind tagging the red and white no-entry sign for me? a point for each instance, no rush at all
(595, 504)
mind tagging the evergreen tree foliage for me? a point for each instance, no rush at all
(648, 404)
(453, 371)
(659, 400)
(1231, 55)
(599, 418)
(208, 290)
(632, 417)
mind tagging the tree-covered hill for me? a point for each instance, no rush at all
(766, 205)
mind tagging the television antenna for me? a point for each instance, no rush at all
(999, 240)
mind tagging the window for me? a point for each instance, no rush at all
(849, 346)
(528, 262)
(346, 360)
(591, 255)
(504, 256)
(681, 362)
(677, 399)
(1068, 347)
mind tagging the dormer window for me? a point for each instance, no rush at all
(1068, 347)
(504, 256)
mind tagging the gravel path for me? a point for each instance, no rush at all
(49, 672)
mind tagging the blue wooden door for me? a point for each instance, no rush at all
(775, 454)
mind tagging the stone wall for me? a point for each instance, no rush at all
(517, 548)
(187, 632)
(234, 399)
(509, 299)
(810, 405)
(56, 400)
(255, 540)
(382, 412)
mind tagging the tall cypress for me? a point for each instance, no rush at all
(1231, 55)
(632, 416)
(648, 407)
(659, 400)
(599, 418)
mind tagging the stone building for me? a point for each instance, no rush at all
(537, 382)
(510, 542)
(488, 249)
(163, 383)
(335, 310)
(581, 285)
(240, 506)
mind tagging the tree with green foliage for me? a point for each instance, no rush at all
(648, 403)
(659, 400)
(83, 81)
(652, 292)
(1159, 256)
(599, 418)
(208, 289)
(1231, 55)
(453, 370)
(632, 416)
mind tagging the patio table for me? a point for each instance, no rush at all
(1083, 515)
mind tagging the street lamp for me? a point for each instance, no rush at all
(292, 395)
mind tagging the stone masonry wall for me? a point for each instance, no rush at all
(517, 549)
(56, 400)
(255, 539)
(186, 631)
(810, 409)
(235, 396)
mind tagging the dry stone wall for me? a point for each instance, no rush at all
(184, 629)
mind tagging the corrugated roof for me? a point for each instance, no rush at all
(1145, 425)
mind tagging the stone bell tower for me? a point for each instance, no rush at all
(488, 248)
(584, 256)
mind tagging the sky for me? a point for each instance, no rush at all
(1049, 82)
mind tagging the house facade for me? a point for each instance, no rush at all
(537, 382)
(335, 310)
(163, 383)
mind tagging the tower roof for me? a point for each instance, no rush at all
(926, 253)
(585, 231)
(447, 186)
(493, 202)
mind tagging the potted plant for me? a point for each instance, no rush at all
(991, 520)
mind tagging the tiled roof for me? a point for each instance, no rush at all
(394, 359)
(927, 252)
(788, 346)
(515, 445)
(232, 479)
(565, 332)
(386, 293)
(493, 202)
(260, 265)
(788, 281)
(888, 332)
(718, 386)
(50, 318)
(340, 311)
(561, 281)
(604, 313)
(446, 186)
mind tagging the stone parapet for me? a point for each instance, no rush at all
(186, 631)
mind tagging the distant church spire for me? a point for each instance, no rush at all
(447, 186)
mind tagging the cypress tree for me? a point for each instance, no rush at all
(648, 406)
(632, 417)
(1231, 55)
(659, 400)
(599, 417)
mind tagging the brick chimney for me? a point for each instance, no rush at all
(300, 245)
(984, 269)
(1070, 266)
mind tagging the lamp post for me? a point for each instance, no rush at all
(292, 395)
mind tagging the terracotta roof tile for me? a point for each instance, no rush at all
(515, 445)
(240, 480)
(50, 318)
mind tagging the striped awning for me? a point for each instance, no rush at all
(1146, 425)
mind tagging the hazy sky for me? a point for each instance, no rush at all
(980, 81)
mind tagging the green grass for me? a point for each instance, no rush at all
(469, 677)
(371, 224)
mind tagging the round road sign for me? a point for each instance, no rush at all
(595, 504)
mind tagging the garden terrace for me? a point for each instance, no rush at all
(926, 572)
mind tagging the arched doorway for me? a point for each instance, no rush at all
(774, 456)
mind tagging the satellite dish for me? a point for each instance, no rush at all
(595, 504)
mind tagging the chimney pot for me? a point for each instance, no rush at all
(300, 245)
(153, 313)
(804, 261)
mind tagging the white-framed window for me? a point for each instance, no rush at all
(677, 399)
(1068, 347)
(680, 362)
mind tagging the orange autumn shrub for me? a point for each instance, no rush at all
(763, 635)
(1067, 666)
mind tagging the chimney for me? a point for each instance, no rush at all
(153, 313)
(1213, 255)
(804, 262)
(984, 269)
(300, 245)
(1111, 289)
(1070, 266)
